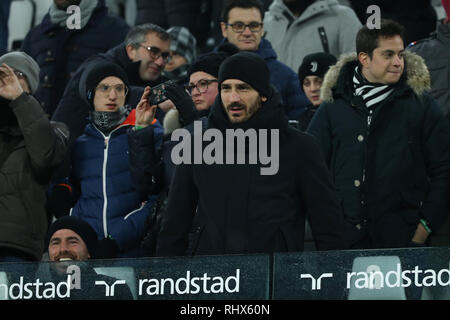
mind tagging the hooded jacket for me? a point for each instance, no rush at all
(40, 146)
(325, 26)
(239, 211)
(396, 171)
(60, 51)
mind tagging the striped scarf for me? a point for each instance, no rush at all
(371, 93)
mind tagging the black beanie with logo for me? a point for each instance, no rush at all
(315, 64)
(248, 67)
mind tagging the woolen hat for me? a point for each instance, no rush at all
(97, 73)
(22, 62)
(77, 225)
(248, 67)
(183, 42)
(210, 62)
(315, 64)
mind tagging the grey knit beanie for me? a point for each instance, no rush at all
(22, 62)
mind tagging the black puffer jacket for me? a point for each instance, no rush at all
(38, 146)
(395, 172)
(238, 210)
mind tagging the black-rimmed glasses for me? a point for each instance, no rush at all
(201, 85)
(240, 26)
(156, 52)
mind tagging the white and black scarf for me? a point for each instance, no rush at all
(371, 93)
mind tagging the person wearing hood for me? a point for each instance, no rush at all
(385, 141)
(31, 146)
(311, 73)
(297, 28)
(242, 25)
(60, 45)
(183, 50)
(237, 209)
(99, 188)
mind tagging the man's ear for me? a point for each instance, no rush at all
(263, 99)
(363, 58)
(223, 27)
(131, 52)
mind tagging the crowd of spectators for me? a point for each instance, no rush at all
(82, 135)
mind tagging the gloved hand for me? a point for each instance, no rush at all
(183, 102)
(59, 200)
(107, 248)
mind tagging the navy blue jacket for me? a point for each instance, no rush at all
(60, 51)
(101, 180)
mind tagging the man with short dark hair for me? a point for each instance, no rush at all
(385, 140)
(242, 25)
(246, 207)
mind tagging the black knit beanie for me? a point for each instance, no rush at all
(210, 62)
(77, 225)
(99, 72)
(315, 64)
(248, 67)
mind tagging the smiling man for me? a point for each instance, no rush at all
(386, 142)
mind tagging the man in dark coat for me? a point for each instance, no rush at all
(385, 141)
(60, 48)
(30, 147)
(249, 208)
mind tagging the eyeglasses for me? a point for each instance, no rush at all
(20, 75)
(156, 52)
(240, 26)
(201, 85)
(104, 89)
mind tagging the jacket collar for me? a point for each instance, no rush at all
(338, 79)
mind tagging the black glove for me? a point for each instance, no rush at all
(183, 102)
(106, 249)
(59, 201)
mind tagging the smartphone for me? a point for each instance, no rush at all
(158, 94)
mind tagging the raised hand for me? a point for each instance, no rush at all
(10, 87)
(145, 113)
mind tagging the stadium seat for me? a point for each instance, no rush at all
(21, 17)
(121, 273)
(376, 288)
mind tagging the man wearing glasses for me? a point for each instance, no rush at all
(242, 26)
(143, 55)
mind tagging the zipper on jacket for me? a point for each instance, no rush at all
(105, 162)
(105, 198)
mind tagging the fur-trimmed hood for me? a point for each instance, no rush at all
(417, 74)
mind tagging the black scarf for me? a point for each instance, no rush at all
(106, 121)
(371, 93)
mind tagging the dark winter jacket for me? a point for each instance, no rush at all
(285, 80)
(435, 51)
(239, 211)
(101, 181)
(73, 108)
(395, 172)
(60, 51)
(37, 146)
